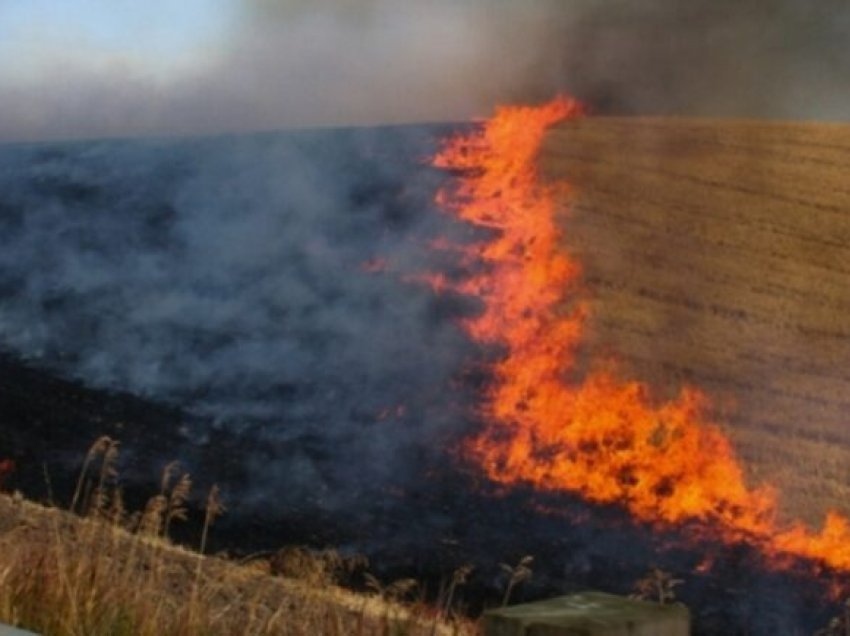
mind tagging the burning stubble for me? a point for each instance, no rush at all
(599, 435)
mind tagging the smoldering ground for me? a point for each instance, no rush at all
(261, 283)
(289, 63)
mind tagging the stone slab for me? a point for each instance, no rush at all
(588, 614)
(6, 630)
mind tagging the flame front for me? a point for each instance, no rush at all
(599, 436)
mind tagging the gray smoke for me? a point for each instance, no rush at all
(296, 63)
(237, 278)
(758, 58)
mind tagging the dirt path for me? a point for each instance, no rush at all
(717, 253)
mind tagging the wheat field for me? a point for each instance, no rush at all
(717, 254)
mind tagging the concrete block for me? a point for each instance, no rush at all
(6, 630)
(588, 614)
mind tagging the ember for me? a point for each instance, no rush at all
(7, 467)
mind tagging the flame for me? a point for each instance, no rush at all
(600, 436)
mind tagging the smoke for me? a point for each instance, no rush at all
(294, 63)
(236, 278)
(763, 58)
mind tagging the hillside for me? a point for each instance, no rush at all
(717, 254)
(63, 574)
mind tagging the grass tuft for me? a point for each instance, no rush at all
(107, 572)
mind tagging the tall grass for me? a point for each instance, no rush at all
(108, 572)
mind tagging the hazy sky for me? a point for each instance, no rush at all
(155, 38)
(81, 68)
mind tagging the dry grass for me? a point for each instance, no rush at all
(717, 253)
(108, 572)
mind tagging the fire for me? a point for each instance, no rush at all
(600, 436)
(374, 266)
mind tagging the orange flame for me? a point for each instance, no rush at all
(599, 436)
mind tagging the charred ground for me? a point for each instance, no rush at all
(385, 487)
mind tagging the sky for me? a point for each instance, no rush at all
(157, 38)
(103, 68)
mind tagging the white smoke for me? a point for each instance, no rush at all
(231, 277)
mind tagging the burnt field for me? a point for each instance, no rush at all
(717, 254)
(252, 308)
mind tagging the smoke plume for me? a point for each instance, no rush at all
(293, 63)
(260, 282)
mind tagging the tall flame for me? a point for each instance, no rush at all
(599, 436)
